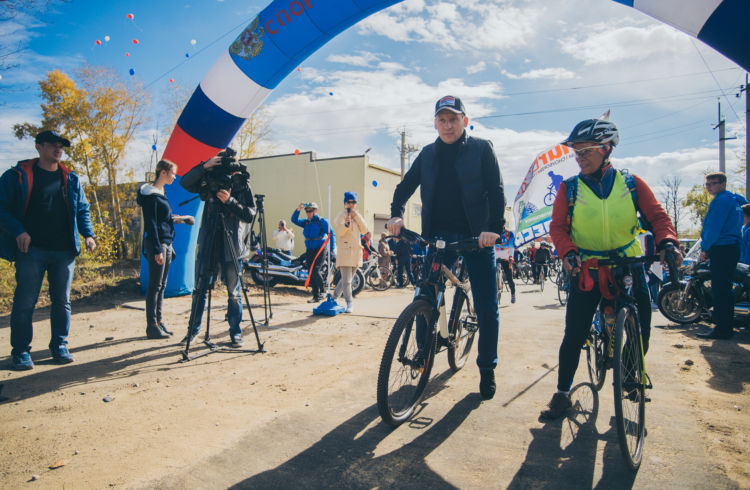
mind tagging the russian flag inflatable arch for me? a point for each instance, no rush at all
(286, 32)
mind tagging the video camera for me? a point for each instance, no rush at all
(227, 175)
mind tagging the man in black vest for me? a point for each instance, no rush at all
(462, 196)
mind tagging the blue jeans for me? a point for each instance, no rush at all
(482, 270)
(234, 302)
(30, 269)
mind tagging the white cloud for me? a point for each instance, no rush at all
(476, 68)
(363, 58)
(545, 73)
(13, 148)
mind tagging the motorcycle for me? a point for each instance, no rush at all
(690, 299)
(287, 269)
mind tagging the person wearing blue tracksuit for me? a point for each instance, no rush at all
(315, 229)
(720, 240)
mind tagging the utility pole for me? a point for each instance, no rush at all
(721, 125)
(406, 151)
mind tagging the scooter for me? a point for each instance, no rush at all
(685, 301)
(288, 269)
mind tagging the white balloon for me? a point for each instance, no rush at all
(193, 41)
(106, 38)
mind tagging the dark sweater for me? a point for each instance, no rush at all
(449, 214)
(158, 226)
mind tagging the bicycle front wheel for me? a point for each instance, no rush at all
(380, 278)
(462, 328)
(629, 387)
(541, 280)
(406, 363)
(563, 283)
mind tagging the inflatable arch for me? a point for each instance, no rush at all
(286, 32)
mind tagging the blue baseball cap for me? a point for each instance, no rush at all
(350, 196)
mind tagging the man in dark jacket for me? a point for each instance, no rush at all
(404, 252)
(235, 208)
(42, 210)
(462, 196)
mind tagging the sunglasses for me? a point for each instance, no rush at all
(309, 210)
(351, 202)
(585, 151)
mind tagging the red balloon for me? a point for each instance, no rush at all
(296, 152)
(127, 54)
(171, 80)
(135, 41)
(130, 16)
(298, 69)
(98, 42)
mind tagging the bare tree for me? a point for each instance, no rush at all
(671, 198)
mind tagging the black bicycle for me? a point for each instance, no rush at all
(563, 286)
(630, 380)
(423, 330)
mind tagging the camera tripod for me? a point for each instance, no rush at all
(206, 279)
(260, 218)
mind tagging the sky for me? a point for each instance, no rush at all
(527, 71)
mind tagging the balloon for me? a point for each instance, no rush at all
(296, 152)
(131, 16)
(471, 127)
(193, 41)
(131, 71)
(298, 69)
(106, 38)
(98, 42)
(135, 41)
(127, 54)
(374, 183)
(330, 93)
(153, 147)
(187, 55)
(171, 80)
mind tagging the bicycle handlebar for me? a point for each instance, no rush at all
(464, 245)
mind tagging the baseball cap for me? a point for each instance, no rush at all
(450, 103)
(311, 205)
(51, 137)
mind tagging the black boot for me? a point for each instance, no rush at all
(163, 328)
(155, 332)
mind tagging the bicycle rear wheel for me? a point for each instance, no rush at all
(629, 387)
(596, 353)
(563, 283)
(405, 366)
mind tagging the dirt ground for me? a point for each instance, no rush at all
(129, 414)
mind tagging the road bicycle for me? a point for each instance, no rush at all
(378, 277)
(627, 360)
(524, 272)
(423, 329)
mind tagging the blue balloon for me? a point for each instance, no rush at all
(187, 55)
(131, 71)
(330, 93)
(374, 183)
(471, 127)
(153, 147)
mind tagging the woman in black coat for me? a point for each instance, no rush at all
(158, 234)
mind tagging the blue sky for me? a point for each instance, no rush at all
(527, 70)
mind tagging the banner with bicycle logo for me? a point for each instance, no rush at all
(532, 208)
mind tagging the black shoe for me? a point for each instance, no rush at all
(164, 329)
(558, 406)
(156, 333)
(714, 334)
(487, 383)
(316, 299)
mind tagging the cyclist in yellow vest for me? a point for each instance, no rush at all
(597, 218)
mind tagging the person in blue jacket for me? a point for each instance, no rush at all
(745, 247)
(720, 241)
(315, 230)
(42, 211)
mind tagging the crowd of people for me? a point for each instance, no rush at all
(600, 211)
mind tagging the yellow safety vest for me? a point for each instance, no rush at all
(601, 226)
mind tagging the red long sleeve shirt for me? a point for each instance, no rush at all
(648, 205)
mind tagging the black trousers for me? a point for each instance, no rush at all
(724, 260)
(579, 313)
(508, 275)
(316, 278)
(157, 282)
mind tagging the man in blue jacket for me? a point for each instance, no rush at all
(720, 241)
(42, 210)
(315, 230)
(745, 247)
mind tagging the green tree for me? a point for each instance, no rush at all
(697, 201)
(100, 114)
(253, 131)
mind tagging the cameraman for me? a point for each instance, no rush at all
(235, 201)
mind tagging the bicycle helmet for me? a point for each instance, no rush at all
(599, 131)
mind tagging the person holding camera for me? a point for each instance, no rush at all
(315, 230)
(283, 238)
(348, 225)
(158, 234)
(232, 208)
